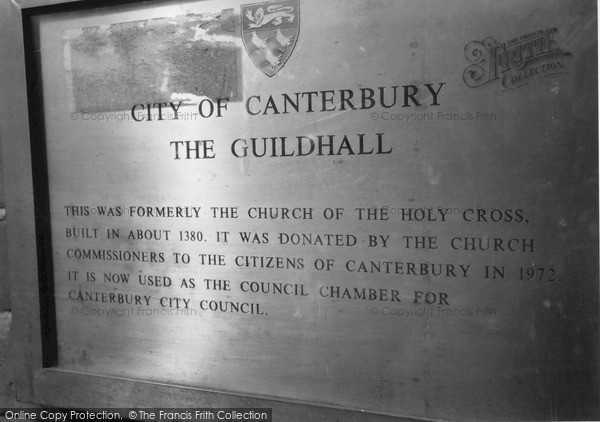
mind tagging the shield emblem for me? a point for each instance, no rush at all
(269, 33)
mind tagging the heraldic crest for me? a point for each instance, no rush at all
(269, 33)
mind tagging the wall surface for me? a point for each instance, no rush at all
(6, 377)
(4, 284)
(10, 51)
(7, 393)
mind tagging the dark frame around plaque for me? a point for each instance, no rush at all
(30, 270)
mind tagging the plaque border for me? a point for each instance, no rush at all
(33, 335)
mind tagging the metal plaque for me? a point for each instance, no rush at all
(388, 206)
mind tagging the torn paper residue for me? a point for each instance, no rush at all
(113, 67)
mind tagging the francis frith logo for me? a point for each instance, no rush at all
(269, 33)
(514, 63)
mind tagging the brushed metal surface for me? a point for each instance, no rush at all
(427, 327)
